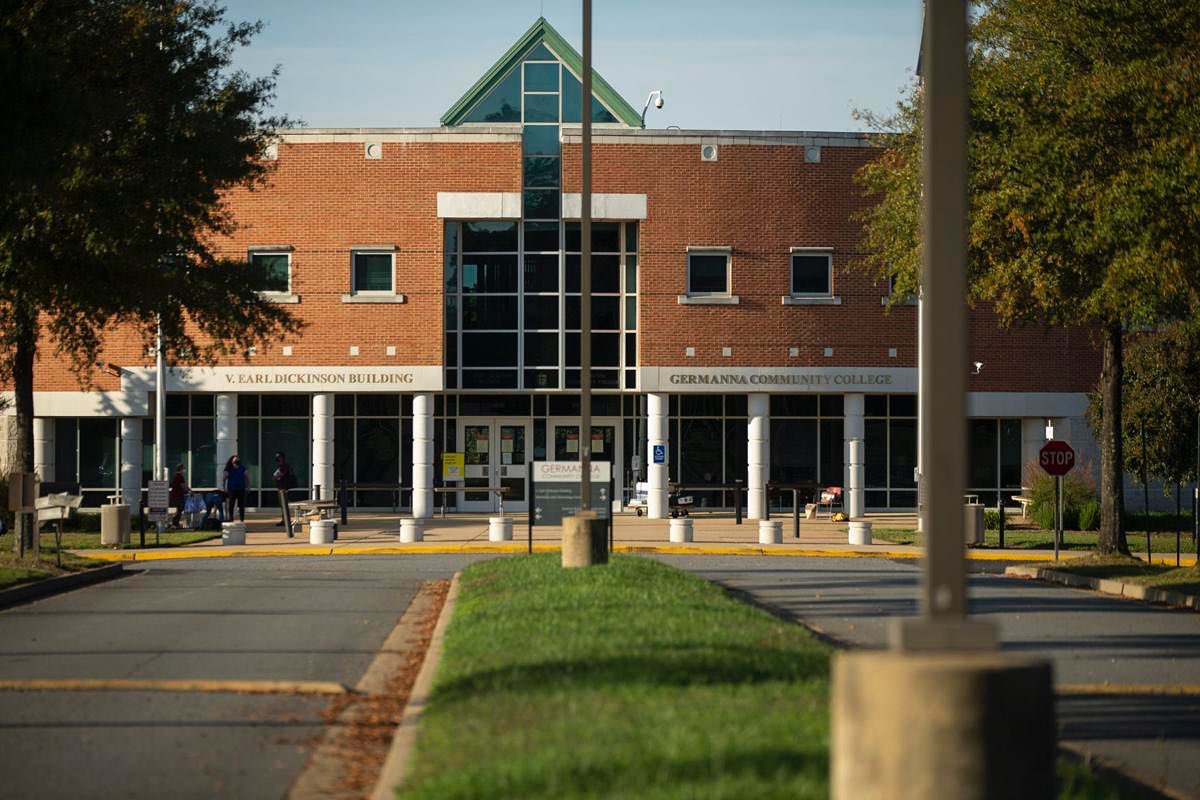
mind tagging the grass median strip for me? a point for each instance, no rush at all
(633, 680)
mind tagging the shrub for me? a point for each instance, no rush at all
(991, 519)
(1089, 516)
(1079, 489)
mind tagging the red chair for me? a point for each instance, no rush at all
(830, 497)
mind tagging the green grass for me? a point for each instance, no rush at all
(1131, 570)
(1036, 539)
(14, 572)
(91, 541)
(634, 680)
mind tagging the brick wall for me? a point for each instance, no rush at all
(324, 198)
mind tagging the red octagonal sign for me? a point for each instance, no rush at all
(1057, 457)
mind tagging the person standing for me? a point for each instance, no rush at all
(235, 486)
(178, 494)
(285, 479)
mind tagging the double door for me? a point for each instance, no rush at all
(496, 453)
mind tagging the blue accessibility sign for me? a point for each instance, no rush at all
(660, 454)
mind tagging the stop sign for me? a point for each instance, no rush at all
(1057, 457)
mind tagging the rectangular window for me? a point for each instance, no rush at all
(708, 272)
(275, 269)
(812, 272)
(372, 272)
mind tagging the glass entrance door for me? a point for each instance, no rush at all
(495, 454)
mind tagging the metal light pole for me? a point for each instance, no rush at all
(160, 412)
(585, 271)
(967, 724)
(941, 358)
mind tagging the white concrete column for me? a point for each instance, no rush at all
(43, 448)
(422, 472)
(854, 427)
(322, 445)
(131, 463)
(854, 490)
(657, 475)
(226, 432)
(758, 454)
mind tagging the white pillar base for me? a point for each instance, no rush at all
(859, 531)
(412, 530)
(320, 531)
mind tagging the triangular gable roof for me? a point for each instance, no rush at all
(541, 31)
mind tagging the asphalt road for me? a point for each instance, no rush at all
(315, 619)
(1090, 638)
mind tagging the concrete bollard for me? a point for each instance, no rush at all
(320, 531)
(681, 530)
(770, 531)
(969, 725)
(585, 540)
(233, 533)
(500, 529)
(860, 531)
(412, 530)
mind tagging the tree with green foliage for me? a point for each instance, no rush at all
(123, 127)
(1160, 390)
(1084, 181)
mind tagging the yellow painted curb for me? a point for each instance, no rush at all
(201, 685)
(1160, 689)
(542, 547)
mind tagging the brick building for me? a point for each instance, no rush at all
(437, 270)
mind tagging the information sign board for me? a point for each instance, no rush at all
(556, 490)
(660, 454)
(158, 500)
(453, 465)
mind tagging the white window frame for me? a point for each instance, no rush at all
(709, 298)
(810, 251)
(794, 298)
(357, 295)
(276, 295)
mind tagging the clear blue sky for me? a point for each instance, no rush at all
(754, 64)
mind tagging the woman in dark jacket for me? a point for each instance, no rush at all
(178, 494)
(235, 486)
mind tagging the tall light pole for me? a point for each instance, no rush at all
(585, 271)
(970, 721)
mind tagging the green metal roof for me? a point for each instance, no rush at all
(542, 31)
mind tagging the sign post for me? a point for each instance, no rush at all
(158, 500)
(1057, 458)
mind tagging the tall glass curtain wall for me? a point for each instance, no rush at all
(994, 459)
(518, 328)
(708, 435)
(373, 448)
(269, 424)
(87, 453)
(891, 445)
(191, 440)
(806, 441)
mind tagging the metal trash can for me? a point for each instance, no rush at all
(972, 524)
(114, 524)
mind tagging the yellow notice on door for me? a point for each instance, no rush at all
(453, 466)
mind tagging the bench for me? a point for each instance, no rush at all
(1024, 500)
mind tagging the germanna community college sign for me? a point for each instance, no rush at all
(819, 379)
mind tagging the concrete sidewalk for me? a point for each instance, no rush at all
(715, 533)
